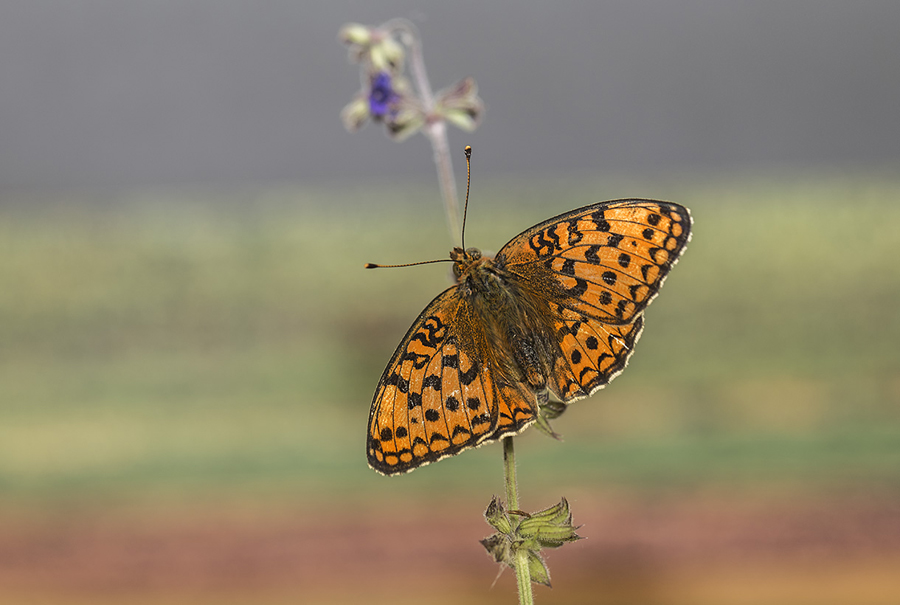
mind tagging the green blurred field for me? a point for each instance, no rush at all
(185, 378)
(194, 343)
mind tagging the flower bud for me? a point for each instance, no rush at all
(460, 105)
(549, 528)
(355, 113)
(387, 55)
(355, 33)
(407, 121)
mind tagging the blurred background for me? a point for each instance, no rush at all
(189, 344)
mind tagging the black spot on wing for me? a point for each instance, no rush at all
(460, 430)
(578, 289)
(575, 235)
(481, 419)
(419, 361)
(600, 220)
(467, 378)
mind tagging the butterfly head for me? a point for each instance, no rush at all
(463, 260)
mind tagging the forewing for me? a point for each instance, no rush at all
(605, 261)
(436, 396)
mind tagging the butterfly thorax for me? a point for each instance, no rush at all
(514, 322)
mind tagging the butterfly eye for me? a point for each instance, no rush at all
(474, 253)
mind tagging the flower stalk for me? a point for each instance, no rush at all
(520, 562)
(406, 107)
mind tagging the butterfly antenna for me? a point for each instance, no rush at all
(468, 182)
(424, 262)
(468, 151)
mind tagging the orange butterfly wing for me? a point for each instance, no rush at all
(598, 267)
(438, 394)
(594, 270)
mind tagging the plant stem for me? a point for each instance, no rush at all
(523, 578)
(523, 575)
(435, 129)
(437, 134)
(509, 472)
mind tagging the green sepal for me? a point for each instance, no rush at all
(497, 546)
(551, 410)
(406, 123)
(355, 113)
(543, 425)
(355, 33)
(460, 105)
(538, 569)
(387, 55)
(549, 528)
(460, 118)
(521, 534)
(497, 517)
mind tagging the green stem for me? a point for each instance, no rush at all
(523, 575)
(523, 578)
(509, 472)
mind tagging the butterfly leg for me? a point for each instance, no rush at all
(548, 410)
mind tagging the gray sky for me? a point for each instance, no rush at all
(99, 93)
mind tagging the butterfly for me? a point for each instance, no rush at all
(558, 309)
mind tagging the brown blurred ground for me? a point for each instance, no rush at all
(689, 548)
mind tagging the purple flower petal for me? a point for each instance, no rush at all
(381, 95)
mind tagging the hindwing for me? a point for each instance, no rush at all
(435, 398)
